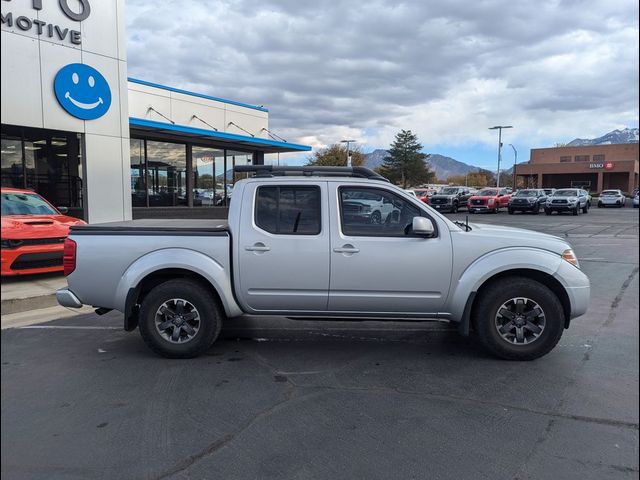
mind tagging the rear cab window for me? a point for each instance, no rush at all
(288, 209)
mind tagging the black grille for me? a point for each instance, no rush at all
(520, 201)
(477, 201)
(559, 201)
(33, 241)
(27, 261)
(438, 201)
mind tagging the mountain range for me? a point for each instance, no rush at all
(445, 167)
(627, 135)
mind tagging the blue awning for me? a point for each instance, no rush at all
(232, 139)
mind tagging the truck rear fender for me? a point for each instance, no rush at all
(176, 262)
(529, 262)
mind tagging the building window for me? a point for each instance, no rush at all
(235, 158)
(138, 177)
(46, 161)
(598, 158)
(582, 158)
(166, 174)
(208, 176)
(565, 159)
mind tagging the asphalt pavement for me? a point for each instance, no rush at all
(273, 398)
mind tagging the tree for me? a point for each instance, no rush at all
(336, 156)
(405, 164)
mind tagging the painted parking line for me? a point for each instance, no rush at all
(67, 327)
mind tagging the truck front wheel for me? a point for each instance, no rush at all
(179, 319)
(518, 318)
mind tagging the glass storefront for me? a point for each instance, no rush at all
(208, 189)
(165, 174)
(46, 161)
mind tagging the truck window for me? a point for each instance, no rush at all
(288, 210)
(374, 212)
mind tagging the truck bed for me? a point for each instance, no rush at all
(156, 226)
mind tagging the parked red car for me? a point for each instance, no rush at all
(489, 200)
(33, 233)
(423, 194)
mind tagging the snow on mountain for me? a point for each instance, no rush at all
(627, 135)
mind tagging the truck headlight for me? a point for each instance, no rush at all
(570, 257)
(491, 201)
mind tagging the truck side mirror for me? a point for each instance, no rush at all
(63, 210)
(422, 226)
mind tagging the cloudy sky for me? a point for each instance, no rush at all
(446, 69)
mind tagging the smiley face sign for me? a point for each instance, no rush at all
(82, 91)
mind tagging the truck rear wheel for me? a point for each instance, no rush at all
(518, 318)
(179, 319)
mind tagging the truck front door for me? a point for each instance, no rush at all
(383, 269)
(283, 248)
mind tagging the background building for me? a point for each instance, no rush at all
(594, 167)
(78, 131)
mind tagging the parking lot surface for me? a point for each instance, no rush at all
(284, 399)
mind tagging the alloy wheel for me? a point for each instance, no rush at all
(520, 321)
(177, 320)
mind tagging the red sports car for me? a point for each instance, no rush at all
(489, 200)
(33, 233)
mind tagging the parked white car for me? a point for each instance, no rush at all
(611, 198)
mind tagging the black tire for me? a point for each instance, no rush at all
(576, 211)
(494, 296)
(205, 305)
(536, 209)
(585, 209)
(599, 205)
(511, 211)
(455, 208)
(547, 211)
(376, 218)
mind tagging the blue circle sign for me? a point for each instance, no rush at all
(82, 91)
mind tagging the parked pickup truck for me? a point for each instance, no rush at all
(292, 248)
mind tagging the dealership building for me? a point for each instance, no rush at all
(79, 131)
(593, 167)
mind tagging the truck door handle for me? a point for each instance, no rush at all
(257, 247)
(346, 249)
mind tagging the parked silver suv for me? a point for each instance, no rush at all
(574, 200)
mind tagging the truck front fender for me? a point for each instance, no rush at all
(184, 259)
(463, 292)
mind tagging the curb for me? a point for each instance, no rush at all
(18, 305)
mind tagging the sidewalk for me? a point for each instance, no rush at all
(32, 292)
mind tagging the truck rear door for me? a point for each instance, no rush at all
(283, 247)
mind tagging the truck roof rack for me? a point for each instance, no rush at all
(309, 171)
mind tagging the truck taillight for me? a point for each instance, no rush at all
(69, 256)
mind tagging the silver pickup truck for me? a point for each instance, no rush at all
(307, 243)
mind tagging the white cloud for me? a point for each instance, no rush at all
(447, 69)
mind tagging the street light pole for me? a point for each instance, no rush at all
(348, 156)
(499, 128)
(515, 162)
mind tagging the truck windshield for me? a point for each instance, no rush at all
(449, 191)
(526, 193)
(487, 193)
(565, 193)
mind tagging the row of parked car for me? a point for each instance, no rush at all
(492, 200)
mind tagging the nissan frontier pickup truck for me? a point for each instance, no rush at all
(304, 243)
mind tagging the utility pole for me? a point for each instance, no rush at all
(499, 128)
(515, 162)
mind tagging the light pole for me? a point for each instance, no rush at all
(348, 155)
(515, 162)
(499, 128)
